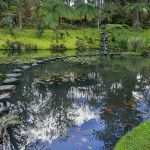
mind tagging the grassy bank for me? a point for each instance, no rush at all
(138, 139)
(120, 39)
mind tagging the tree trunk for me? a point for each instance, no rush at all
(136, 19)
(20, 19)
(85, 21)
(98, 23)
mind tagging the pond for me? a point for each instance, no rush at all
(65, 105)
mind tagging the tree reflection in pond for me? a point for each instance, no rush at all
(73, 115)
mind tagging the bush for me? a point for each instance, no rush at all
(122, 43)
(145, 53)
(80, 45)
(17, 47)
(58, 48)
(113, 26)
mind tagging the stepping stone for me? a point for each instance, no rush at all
(13, 75)
(25, 67)
(58, 57)
(7, 88)
(5, 97)
(35, 64)
(11, 81)
(40, 62)
(46, 60)
(4, 110)
(52, 59)
(18, 71)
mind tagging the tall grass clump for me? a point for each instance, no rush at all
(137, 44)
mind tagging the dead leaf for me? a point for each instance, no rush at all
(77, 130)
(84, 139)
(72, 137)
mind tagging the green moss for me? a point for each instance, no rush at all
(138, 139)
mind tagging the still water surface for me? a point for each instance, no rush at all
(85, 107)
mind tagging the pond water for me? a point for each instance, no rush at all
(73, 106)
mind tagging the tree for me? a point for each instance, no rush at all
(55, 9)
(85, 10)
(136, 8)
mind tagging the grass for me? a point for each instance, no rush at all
(27, 36)
(138, 139)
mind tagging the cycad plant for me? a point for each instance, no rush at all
(54, 10)
(136, 9)
(85, 11)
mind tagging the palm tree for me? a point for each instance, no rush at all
(85, 11)
(136, 8)
(55, 9)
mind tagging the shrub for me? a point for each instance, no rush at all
(113, 26)
(80, 44)
(122, 43)
(58, 48)
(17, 47)
(145, 53)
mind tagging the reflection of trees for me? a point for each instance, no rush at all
(53, 108)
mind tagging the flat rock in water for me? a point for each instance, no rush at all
(52, 59)
(14, 75)
(40, 62)
(11, 81)
(7, 88)
(46, 60)
(4, 110)
(25, 67)
(18, 71)
(5, 97)
(59, 58)
(35, 64)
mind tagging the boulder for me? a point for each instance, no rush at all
(14, 75)
(52, 59)
(7, 88)
(11, 81)
(25, 67)
(40, 62)
(18, 71)
(4, 110)
(5, 97)
(35, 64)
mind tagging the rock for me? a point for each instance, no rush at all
(40, 62)
(52, 59)
(7, 88)
(4, 110)
(58, 57)
(11, 81)
(35, 64)
(25, 67)
(46, 60)
(13, 75)
(18, 71)
(5, 97)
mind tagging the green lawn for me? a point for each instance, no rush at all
(138, 139)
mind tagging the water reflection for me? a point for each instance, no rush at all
(71, 115)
